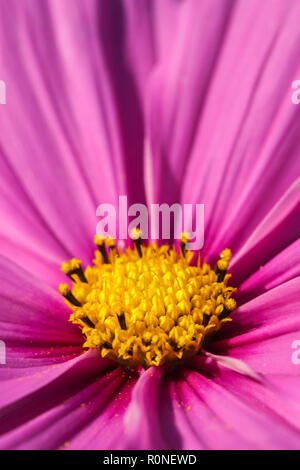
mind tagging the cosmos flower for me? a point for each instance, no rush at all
(164, 101)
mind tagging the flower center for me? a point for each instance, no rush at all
(148, 305)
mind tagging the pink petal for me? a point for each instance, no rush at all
(68, 133)
(243, 159)
(282, 268)
(207, 139)
(215, 410)
(234, 364)
(276, 231)
(276, 395)
(32, 314)
(202, 406)
(177, 92)
(263, 330)
(155, 39)
(106, 428)
(142, 417)
(19, 383)
(60, 402)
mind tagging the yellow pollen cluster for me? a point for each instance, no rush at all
(148, 305)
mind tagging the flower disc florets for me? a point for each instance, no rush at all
(148, 305)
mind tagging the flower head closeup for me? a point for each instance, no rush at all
(139, 340)
(148, 306)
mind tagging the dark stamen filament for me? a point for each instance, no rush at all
(102, 249)
(122, 321)
(80, 274)
(224, 314)
(70, 297)
(88, 322)
(138, 245)
(182, 248)
(221, 274)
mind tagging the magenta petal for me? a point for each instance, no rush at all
(67, 139)
(211, 144)
(282, 268)
(243, 160)
(18, 384)
(106, 428)
(277, 394)
(177, 93)
(155, 39)
(62, 402)
(276, 231)
(263, 330)
(233, 364)
(214, 411)
(32, 314)
(201, 406)
(142, 417)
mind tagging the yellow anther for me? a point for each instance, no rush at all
(147, 305)
(230, 304)
(99, 240)
(222, 264)
(226, 254)
(63, 289)
(67, 293)
(65, 267)
(70, 266)
(111, 243)
(147, 337)
(135, 234)
(219, 309)
(185, 237)
(166, 323)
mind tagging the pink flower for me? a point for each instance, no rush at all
(164, 101)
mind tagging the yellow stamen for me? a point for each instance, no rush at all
(185, 237)
(136, 236)
(63, 289)
(73, 269)
(73, 265)
(149, 305)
